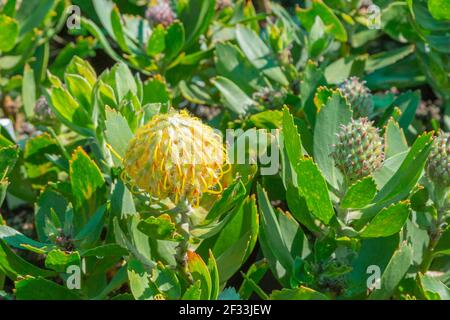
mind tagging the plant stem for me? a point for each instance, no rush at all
(183, 225)
(435, 235)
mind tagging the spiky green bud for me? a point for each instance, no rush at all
(358, 96)
(359, 150)
(438, 166)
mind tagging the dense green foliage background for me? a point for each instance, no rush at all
(74, 90)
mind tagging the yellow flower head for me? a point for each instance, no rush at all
(176, 156)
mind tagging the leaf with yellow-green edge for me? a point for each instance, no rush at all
(69, 111)
(175, 40)
(88, 187)
(433, 289)
(59, 260)
(300, 293)
(194, 292)
(314, 189)
(42, 289)
(199, 271)
(9, 34)
(14, 266)
(80, 89)
(3, 186)
(388, 221)
(331, 21)
(321, 97)
(82, 68)
(292, 141)
(214, 273)
(157, 42)
(252, 277)
(139, 281)
(19, 241)
(359, 194)
(117, 28)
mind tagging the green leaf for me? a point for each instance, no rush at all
(199, 272)
(231, 197)
(252, 277)
(292, 140)
(194, 292)
(122, 203)
(139, 281)
(281, 239)
(69, 111)
(9, 34)
(332, 23)
(394, 139)
(215, 279)
(88, 187)
(233, 97)
(78, 66)
(259, 54)
(373, 251)
(232, 64)
(394, 273)
(235, 241)
(14, 266)
(388, 222)
(124, 80)
(90, 233)
(93, 29)
(439, 9)
(300, 293)
(157, 42)
(404, 179)
(335, 113)
(155, 91)
(107, 250)
(17, 240)
(311, 80)
(313, 188)
(359, 194)
(433, 289)
(28, 91)
(41, 289)
(161, 228)
(175, 40)
(8, 158)
(408, 103)
(118, 31)
(195, 93)
(80, 89)
(196, 16)
(59, 260)
(49, 201)
(384, 59)
(118, 133)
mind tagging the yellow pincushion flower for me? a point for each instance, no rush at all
(176, 156)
